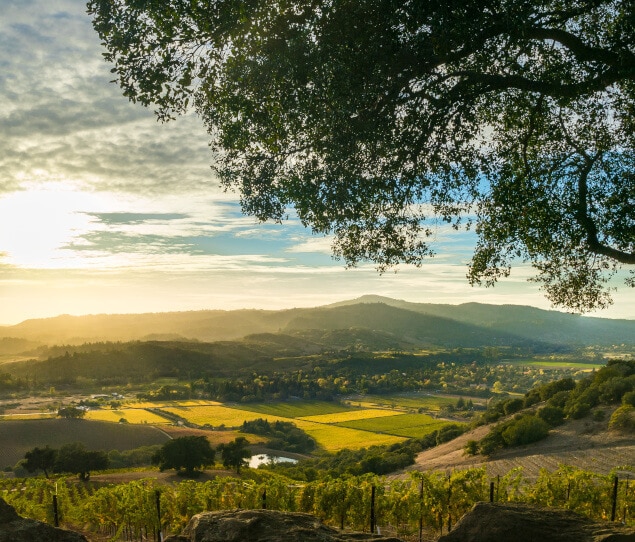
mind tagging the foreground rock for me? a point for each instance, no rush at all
(525, 523)
(265, 526)
(14, 528)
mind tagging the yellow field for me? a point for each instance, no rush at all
(131, 415)
(216, 415)
(329, 437)
(29, 416)
(333, 438)
(350, 415)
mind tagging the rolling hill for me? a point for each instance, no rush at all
(375, 322)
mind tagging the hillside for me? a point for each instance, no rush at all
(521, 321)
(584, 443)
(375, 322)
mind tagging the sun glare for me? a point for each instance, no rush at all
(38, 223)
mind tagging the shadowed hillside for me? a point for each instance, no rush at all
(394, 324)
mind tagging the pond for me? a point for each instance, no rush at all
(261, 459)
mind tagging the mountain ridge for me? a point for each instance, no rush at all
(468, 324)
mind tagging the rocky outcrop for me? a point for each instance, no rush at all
(525, 523)
(265, 526)
(14, 528)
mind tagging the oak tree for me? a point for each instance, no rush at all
(188, 453)
(381, 121)
(43, 459)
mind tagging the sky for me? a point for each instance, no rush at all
(105, 210)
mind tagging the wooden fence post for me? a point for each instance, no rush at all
(614, 499)
(372, 509)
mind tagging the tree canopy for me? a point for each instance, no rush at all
(74, 457)
(188, 453)
(235, 453)
(43, 459)
(382, 121)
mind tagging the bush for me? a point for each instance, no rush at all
(553, 415)
(525, 430)
(471, 447)
(629, 398)
(448, 433)
(623, 419)
(512, 406)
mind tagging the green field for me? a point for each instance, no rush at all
(297, 409)
(404, 425)
(336, 437)
(350, 415)
(432, 403)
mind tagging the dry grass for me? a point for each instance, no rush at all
(585, 444)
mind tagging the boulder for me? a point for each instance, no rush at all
(265, 526)
(14, 528)
(497, 522)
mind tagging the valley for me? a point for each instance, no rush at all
(377, 390)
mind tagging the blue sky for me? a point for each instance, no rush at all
(104, 210)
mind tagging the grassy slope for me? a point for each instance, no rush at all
(582, 443)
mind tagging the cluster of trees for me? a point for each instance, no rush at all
(285, 436)
(70, 458)
(564, 398)
(187, 455)
(468, 373)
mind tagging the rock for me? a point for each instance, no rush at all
(497, 522)
(265, 526)
(14, 528)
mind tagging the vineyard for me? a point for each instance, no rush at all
(433, 501)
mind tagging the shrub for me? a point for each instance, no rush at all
(553, 415)
(623, 419)
(525, 430)
(629, 398)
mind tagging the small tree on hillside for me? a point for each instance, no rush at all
(187, 453)
(234, 453)
(40, 459)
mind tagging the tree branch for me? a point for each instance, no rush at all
(587, 223)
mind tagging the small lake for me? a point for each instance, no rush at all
(256, 460)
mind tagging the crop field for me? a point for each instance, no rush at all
(350, 415)
(404, 425)
(333, 437)
(17, 437)
(329, 437)
(297, 409)
(161, 404)
(131, 415)
(28, 416)
(217, 415)
(432, 403)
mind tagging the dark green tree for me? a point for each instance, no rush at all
(379, 120)
(40, 459)
(185, 453)
(234, 453)
(75, 458)
(71, 412)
